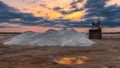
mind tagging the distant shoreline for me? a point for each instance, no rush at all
(41, 30)
(23, 32)
(11, 32)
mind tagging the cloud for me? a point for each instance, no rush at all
(74, 3)
(14, 16)
(96, 9)
(113, 2)
(73, 8)
(57, 8)
(11, 15)
(109, 14)
(7, 27)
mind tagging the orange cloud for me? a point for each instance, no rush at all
(112, 2)
(47, 12)
(75, 15)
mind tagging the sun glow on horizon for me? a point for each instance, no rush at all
(45, 8)
(76, 15)
(74, 10)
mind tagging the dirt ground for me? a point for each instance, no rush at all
(105, 53)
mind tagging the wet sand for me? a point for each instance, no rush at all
(105, 53)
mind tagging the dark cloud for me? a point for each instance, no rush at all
(30, 2)
(95, 8)
(110, 14)
(73, 4)
(9, 14)
(62, 11)
(72, 11)
(57, 8)
(8, 27)
(73, 8)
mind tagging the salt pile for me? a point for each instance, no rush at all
(51, 38)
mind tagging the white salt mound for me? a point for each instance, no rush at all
(51, 38)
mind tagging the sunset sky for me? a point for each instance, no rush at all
(41, 15)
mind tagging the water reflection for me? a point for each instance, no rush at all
(72, 60)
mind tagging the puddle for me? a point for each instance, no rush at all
(72, 60)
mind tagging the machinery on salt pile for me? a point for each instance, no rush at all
(95, 32)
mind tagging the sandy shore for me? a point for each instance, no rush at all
(105, 53)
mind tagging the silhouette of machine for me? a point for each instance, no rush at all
(95, 32)
(96, 24)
